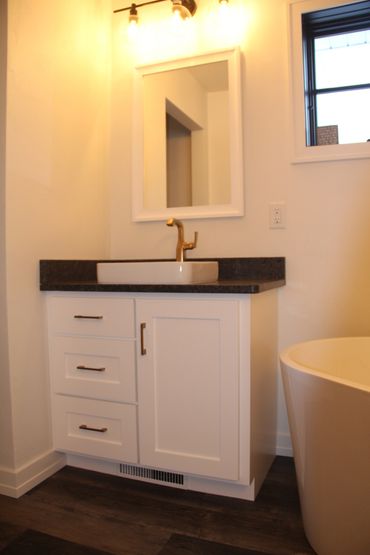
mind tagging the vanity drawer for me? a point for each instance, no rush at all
(96, 316)
(94, 368)
(96, 428)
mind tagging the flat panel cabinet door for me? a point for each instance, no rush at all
(188, 374)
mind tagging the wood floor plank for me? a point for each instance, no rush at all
(126, 517)
(8, 532)
(122, 500)
(36, 543)
(183, 545)
(98, 531)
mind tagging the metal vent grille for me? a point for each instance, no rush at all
(151, 474)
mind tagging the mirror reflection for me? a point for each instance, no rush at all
(186, 137)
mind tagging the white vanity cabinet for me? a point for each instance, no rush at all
(93, 375)
(188, 385)
(184, 383)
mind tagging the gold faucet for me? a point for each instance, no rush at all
(182, 245)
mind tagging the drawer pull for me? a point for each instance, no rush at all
(101, 430)
(84, 316)
(90, 368)
(142, 347)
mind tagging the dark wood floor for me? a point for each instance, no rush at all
(126, 517)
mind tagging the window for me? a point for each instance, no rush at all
(336, 62)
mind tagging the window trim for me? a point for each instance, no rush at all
(302, 152)
(324, 23)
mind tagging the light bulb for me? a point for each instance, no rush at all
(132, 30)
(179, 11)
(223, 7)
(133, 20)
(176, 17)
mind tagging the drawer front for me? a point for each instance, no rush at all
(96, 316)
(96, 428)
(94, 368)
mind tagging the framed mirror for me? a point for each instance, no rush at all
(187, 138)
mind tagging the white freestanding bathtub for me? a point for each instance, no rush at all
(327, 391)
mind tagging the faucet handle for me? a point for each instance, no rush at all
(195, 239)
(189, 245)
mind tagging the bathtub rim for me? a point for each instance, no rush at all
(287, 360)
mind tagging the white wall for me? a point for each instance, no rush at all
(6, 436)
(55, 188)
(327, 239)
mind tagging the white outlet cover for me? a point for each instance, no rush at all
(277, 215)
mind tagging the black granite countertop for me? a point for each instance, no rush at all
(236, 275)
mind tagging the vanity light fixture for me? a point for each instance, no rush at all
(133, 17)
(182, 9)
(133, 21)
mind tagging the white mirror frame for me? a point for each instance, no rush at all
(236, 206)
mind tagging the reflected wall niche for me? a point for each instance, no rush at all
(187, 142)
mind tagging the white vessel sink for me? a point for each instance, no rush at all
(157, 272)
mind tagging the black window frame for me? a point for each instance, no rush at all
(347, 18)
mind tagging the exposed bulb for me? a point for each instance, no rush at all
(133, 21)
(132, 30)
(223, 6)
(179, 11)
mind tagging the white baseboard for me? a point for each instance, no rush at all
(16, 482)
(193, 483)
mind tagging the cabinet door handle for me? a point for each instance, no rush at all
(142, 348)
(101, 430)
(82, 367)
(84, 316)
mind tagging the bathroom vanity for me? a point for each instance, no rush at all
(168, 383)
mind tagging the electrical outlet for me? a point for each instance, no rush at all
(277, 215)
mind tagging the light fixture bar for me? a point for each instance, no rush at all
(189, 5)
(133, 6)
